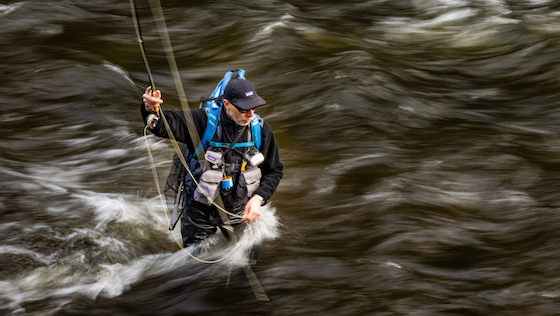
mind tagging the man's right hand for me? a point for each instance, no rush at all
(152, 102)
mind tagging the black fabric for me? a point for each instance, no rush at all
(200, 222)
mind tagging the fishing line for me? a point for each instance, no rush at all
(157, 11)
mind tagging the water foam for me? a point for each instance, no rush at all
(7, 9)
(36, 256)
(267, 30)
(120, 71)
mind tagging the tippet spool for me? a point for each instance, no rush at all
(227, 183)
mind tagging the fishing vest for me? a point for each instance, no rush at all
(235, 180)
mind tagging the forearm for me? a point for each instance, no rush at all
(177, 125)
(272, 167)
(269, 183)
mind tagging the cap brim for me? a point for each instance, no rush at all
(247, 104)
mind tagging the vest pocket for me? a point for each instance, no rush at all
(249, 182)
(208, 186)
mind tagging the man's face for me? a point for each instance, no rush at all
(241, 119)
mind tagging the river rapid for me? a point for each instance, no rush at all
(420, 141)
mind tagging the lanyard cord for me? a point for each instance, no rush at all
(157, 11)
(230, 147)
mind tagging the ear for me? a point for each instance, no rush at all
(226, 103)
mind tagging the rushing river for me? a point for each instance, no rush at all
(420, 140)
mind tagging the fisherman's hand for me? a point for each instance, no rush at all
(152, 102)
(252, 209)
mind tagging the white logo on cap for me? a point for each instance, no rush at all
(248, 93)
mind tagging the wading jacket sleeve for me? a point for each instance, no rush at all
(271, 167)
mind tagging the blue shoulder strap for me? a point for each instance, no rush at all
(256, 130)
(210, 130)
(255, 135)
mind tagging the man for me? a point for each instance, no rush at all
(245, 185)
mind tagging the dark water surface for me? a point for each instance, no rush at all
(420, 141)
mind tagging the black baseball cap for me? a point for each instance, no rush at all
(243, 93)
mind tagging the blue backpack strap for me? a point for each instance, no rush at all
(240, 73)
(256, 125)
(211, 125)
(221, 86)
(227, 145)
(256, 130)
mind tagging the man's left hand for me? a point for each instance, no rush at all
(252, 209)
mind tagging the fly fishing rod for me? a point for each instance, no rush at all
(152, 119)
(141, 43)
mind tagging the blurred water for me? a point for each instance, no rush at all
(419, 138)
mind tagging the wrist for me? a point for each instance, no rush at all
(261, 199)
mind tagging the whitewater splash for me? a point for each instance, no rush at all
(119, 245)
